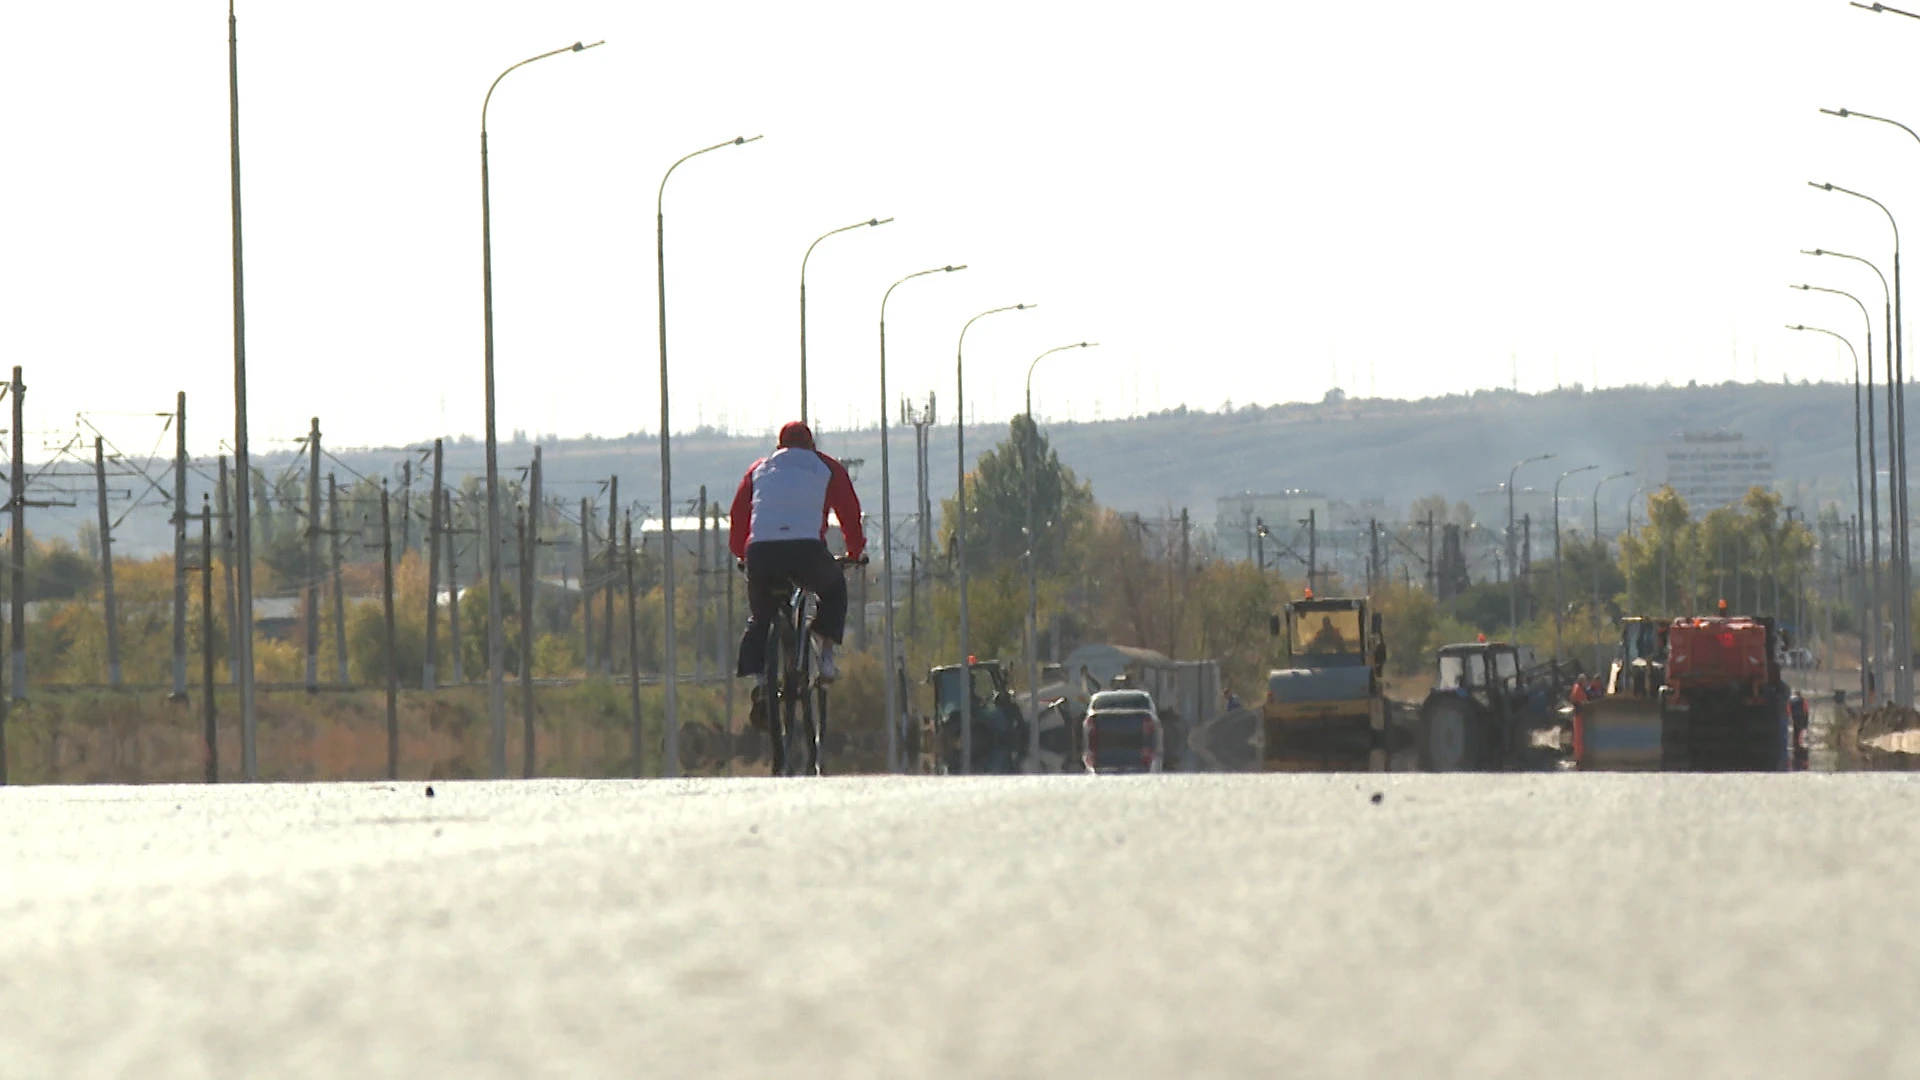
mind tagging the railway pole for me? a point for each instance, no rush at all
(179, 523)
(525, 580)
(341, 673)
(633, 655)
(208, 711)
(613, 555)
(393, 661)
(586, 590)
(434, 522)
(106, 563)
(17, 572)
(310, 588)
(1513, 564)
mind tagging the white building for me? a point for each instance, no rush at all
(1715, 468)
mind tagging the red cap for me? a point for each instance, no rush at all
(796, 434)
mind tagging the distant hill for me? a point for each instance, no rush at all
(1354, 450)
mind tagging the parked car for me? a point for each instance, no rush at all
(1123, 733)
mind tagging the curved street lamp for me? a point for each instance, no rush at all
(871, 223)
(496, 674)
(1870, 507)
(670, 707)
(1559, 597)
(1897, 456)
(960, 530)
(1869, 624)
(886, 514)
(1513, 566)
(1033, 561)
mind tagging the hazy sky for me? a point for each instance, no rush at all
(1248, 201)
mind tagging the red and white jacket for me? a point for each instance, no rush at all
(787, 496)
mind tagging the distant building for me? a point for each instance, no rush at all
(1715, 468)
(1237, 516)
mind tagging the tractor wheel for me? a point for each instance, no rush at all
(1453, 736)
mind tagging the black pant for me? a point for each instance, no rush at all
(774, 567)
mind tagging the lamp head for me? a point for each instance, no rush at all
(1815, 251)
(577, 47)
(1837, 112)
(745, 139)
(1802, 288)
(951, 269)
(878, 221)
(1822, 187)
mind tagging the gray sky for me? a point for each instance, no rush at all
(1240, 201)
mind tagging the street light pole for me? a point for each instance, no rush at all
(496, 679)
(670, 704)
(1867, 623)
(1902, 605)
(1873, 472)
(243, 469)
(803, 307)
(888, 648)
(1513, 565)
(960, 530)
(1559, 598)
(1033, 560)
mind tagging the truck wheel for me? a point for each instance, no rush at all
(1453, 737)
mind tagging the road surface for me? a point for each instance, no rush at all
(1462, 926)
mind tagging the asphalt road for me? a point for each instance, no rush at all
(1552, 925)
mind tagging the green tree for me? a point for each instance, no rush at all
(997, 504)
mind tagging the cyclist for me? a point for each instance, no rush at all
(779, 530)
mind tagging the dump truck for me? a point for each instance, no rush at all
(1721, 704)
(1485, 708)
(1331, 699)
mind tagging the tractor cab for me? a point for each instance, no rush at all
(1483, 709)
(999, 728)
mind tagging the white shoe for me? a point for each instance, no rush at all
(829, 670)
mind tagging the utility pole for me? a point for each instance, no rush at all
(393, 661)
(633, 657)
(1311, 521)
(106, 563)
(311, 586)
(224, 510)
(613, 557)
(1526, 559)
(180, 547)
(242, 459)
(345, 677)
(406, 502)
(433, 567)
(1433, 574)
(700, 567)
(453, 593)
(17, 573)
(586, 588)
(525, 576)
(1259, 541)
(209, 714)
(1373, 553)
(728, 666)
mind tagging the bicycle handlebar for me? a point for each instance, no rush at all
(740, 565)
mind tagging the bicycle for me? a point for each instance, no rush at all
(797, 702)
